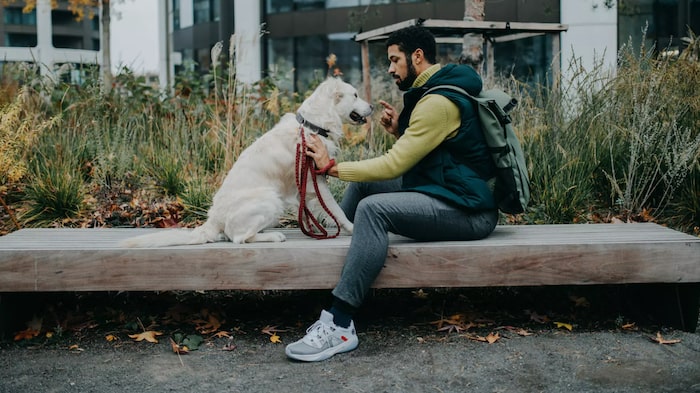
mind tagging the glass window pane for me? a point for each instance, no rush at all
(348, 56)
(276, 6)
(201, 11)
(301, 5)
(311, 67)
(281, 62)
(526, 59)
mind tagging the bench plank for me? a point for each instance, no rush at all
(90, 260)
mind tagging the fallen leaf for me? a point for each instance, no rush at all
(659, 339)
(518, 331)
(149, 335)
(33, 329)
(111, 337)
(271, 330)
(629, 326)
(493, 337)
(210, 326)
(537, 317)
(275, 339)
(75, 348)
(523, 332)
(567, 326)
(420, 294)
(180, 350)
(192, 341)
(26, 334)
(222, 334)
(455, 323)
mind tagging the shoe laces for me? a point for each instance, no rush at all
(317, 334)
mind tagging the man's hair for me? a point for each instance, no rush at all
(411, 38)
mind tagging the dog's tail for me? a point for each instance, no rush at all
(206, 233)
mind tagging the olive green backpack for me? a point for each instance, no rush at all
(512, 188)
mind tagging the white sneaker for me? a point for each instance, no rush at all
(323, 340)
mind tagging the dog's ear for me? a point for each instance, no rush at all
(338, 96)
(334, 86)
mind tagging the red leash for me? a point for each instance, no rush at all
(304, 166)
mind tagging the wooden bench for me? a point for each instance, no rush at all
(46, 260)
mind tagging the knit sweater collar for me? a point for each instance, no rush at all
(425, 75)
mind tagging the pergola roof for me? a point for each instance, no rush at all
(453, 31)
(446, 30)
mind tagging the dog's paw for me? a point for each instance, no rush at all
(272, 237)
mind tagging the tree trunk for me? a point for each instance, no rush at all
(472, 49)
(106, 51)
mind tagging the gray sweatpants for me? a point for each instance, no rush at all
(377, 208)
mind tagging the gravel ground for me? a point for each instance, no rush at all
(400, 349)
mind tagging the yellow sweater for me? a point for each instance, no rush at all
(434, 119)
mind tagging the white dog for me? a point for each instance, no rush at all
(262, 182)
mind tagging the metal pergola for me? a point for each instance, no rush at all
(453, 31)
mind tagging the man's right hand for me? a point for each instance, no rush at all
(389, 119)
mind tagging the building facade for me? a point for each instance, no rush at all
(48, 37)
(289, 40)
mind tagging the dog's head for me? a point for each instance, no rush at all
(347, 103)
(340, 99)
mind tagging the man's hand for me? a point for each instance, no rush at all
(389, 119)
(316, 149)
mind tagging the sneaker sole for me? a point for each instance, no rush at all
(323, 355)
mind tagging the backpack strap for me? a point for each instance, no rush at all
(497, 100)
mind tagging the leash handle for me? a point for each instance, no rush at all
(305, 165)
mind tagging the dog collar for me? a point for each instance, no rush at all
(321, 131)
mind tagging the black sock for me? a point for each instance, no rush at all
(342, 313)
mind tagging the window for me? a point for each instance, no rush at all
(71, 42)
(280, 54)
(63, 18)
(526, 59)
(15, 16)
(276, 6)
(311, 67)
(176, 14)
(353, 3)
(202, 11)
(348, 53)
(20, 40)
(660, 23)
(301, 5)
(216, 10)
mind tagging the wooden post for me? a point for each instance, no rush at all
(490, 71)
(366, 78)
(556, 59)
(473, 47)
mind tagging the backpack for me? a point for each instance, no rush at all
(512, 189)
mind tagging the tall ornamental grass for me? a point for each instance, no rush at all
(600, 147)
(614, 147)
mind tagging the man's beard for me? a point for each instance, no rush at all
(411, 76)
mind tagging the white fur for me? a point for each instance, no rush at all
(261, 184)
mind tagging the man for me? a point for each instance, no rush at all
(432, 184)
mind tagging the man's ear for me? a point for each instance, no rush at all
(418, 56)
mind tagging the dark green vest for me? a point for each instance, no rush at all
(458, 169)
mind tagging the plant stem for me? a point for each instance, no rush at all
(12, 216)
